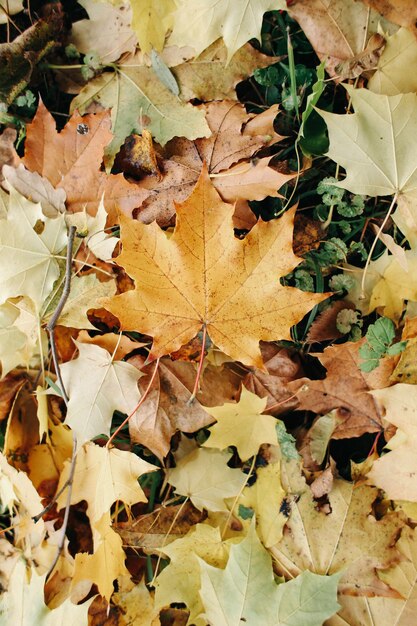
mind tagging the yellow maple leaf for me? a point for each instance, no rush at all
(106, 563)
(204, 277)
(198, 23)
(242, 425)
(103, 476)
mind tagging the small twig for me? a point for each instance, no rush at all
(50, 327)
(68, 484)
(141, 401)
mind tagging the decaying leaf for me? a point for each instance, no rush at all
(78, 151)
(235, 138)
(107, 31)
(345, 388)
(198, 280)
(348, 539)
(165, 409)
(142, 102)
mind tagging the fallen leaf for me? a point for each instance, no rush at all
(27, 259)
(281, 366)
(103, 476)
(8, 154)
(165, 409)
(245, 591)
(373, 144)
(265, 498)
(402, 12)
(205, 478)
(395, 472)
(107, 31)
(13, 342)
(198, 280)
(199, 23)
(345, 388)
(136, 603)
(235, 138)
(336, 28)
(242, 425)
(151, 21)
(98, 241)
(156, 530)
(324, 326)
(392, 75)
(84, 295)
(106, 563)
(78, 149)
(24, 603)
(97, 386)
(180, 580)
(142, 102)
(36, 188)
(348, 539)
(210, 77)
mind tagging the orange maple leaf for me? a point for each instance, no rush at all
(204, 277)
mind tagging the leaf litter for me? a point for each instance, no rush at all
(207, 415)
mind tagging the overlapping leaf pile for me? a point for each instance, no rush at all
(201, 435)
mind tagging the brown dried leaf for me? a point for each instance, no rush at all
(236, 137)
(165, 409)
(208, 78)
(8, 154)
(335, 28)
(71, 160)
(345, 388)
(282, 366)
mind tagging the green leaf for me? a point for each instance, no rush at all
(139, 100)
(245, 592)
(378, 340)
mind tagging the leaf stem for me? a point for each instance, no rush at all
(249, 474)
(375, 241)
(200, 367)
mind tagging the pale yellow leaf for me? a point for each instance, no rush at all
(242, 425)
(97, 386)
(205, 478)
(265, 497)
(180, 580)
(27, 259)
(395, 472)
(393, 75)
(24, 605)
(102, 476)
(198, 23)
(151, 20)
(106, 563)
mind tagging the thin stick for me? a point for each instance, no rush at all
(141, 401)
(375, 241)
(69, 483)
(200, 367)
(174, 521)
(50, 327)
